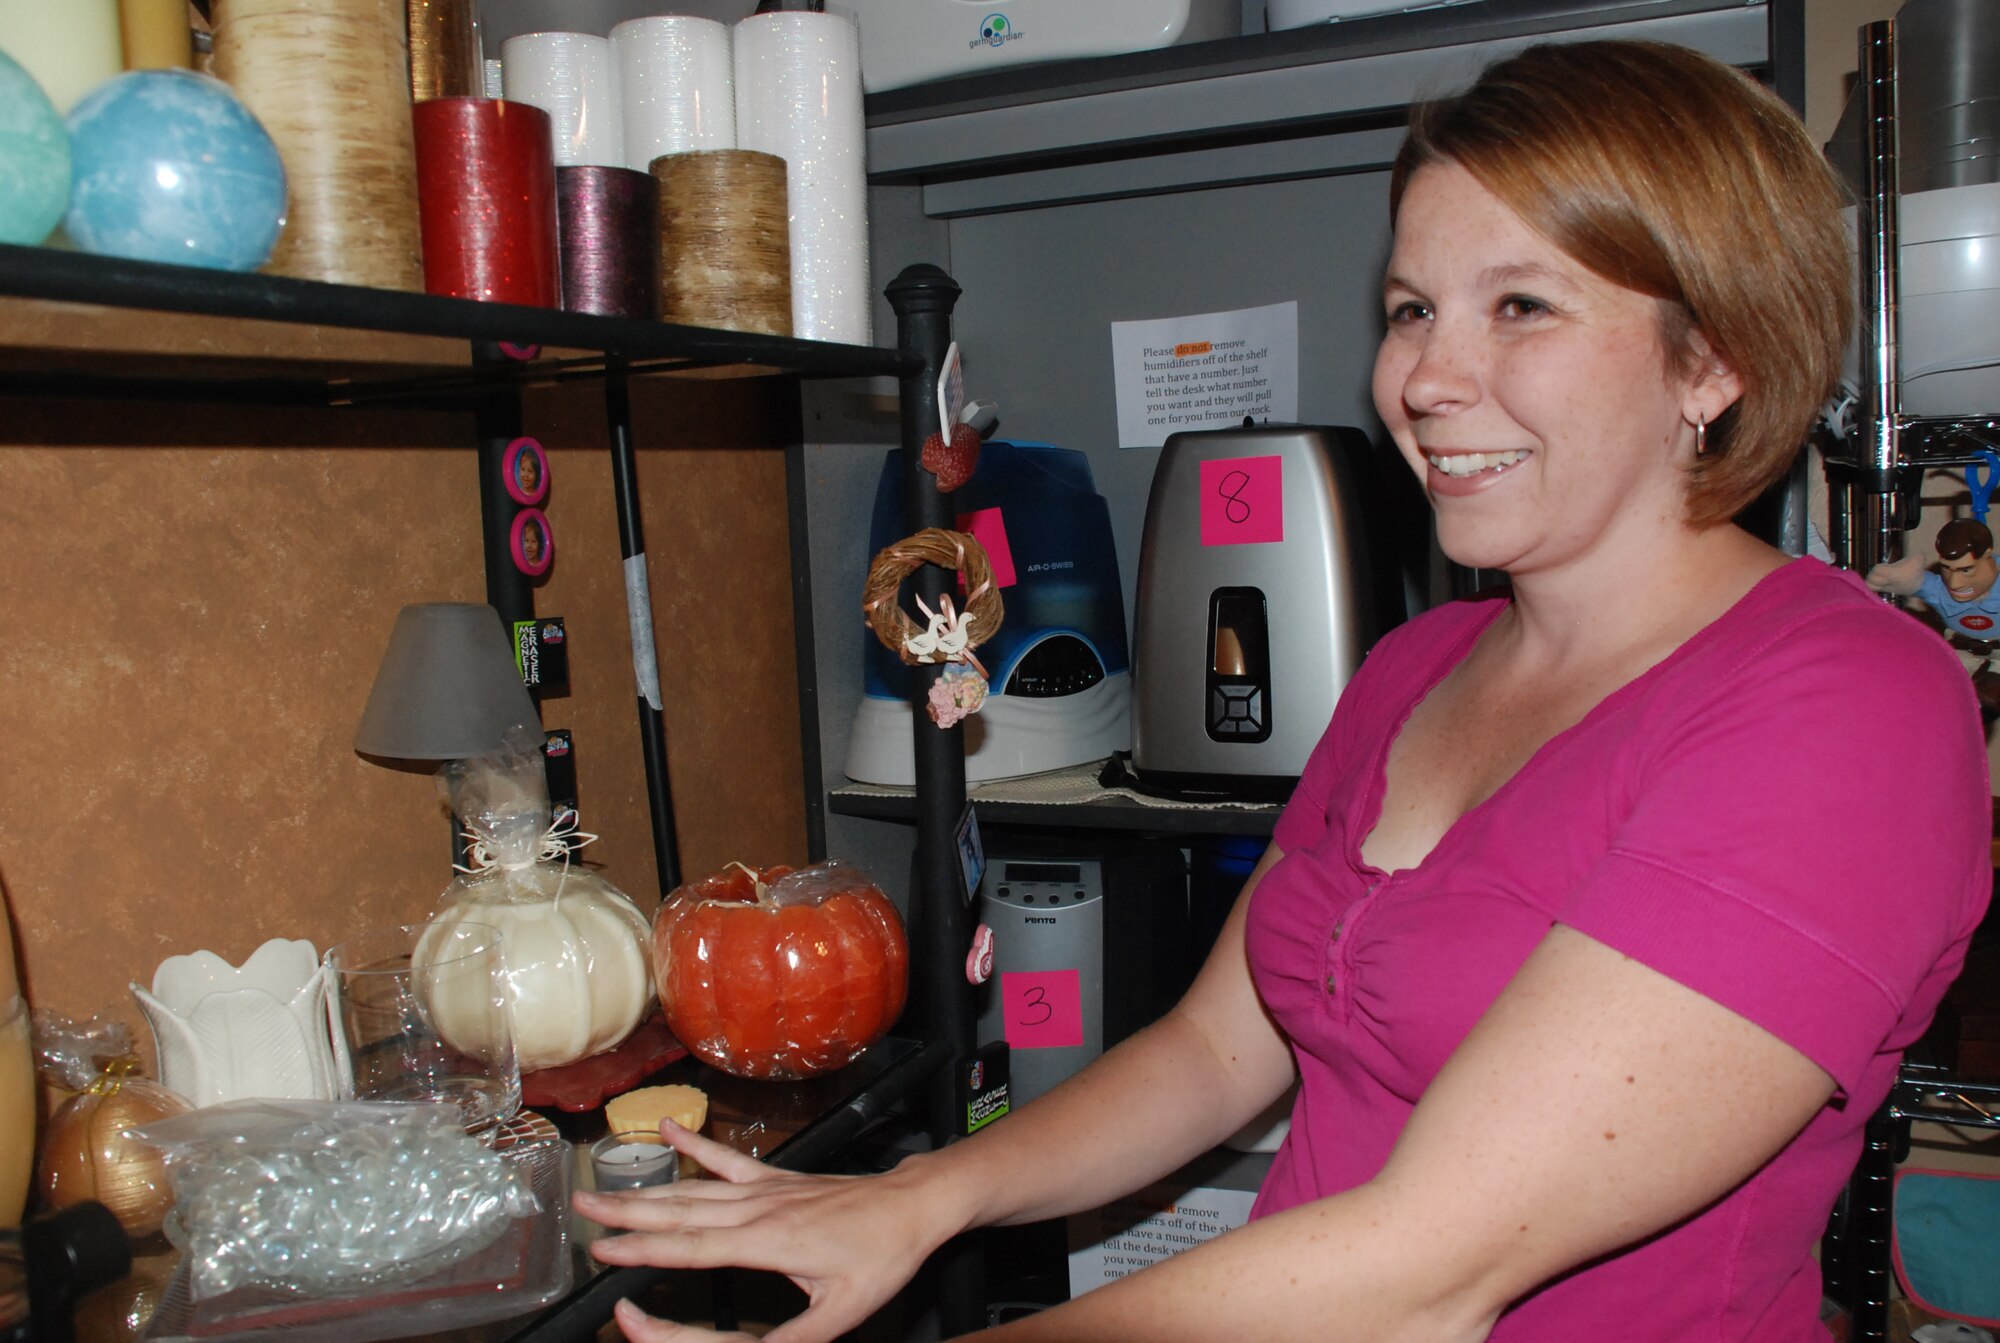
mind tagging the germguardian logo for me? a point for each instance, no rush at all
(995, 29)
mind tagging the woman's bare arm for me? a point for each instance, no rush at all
(1595, 1103)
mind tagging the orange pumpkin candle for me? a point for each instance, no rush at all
(780, 974)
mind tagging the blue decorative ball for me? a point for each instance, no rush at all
(34, 158)
(171, 166)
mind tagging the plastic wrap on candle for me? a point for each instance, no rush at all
(570, 76)
(330, 81)
(798, 96)
(444, 50)
(608, 222)
(487, 189)
(70, 48)
(676, 86)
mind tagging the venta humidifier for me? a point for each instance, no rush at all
(1061, 681)
(1256, 601)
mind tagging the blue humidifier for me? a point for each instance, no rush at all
(1060, 673)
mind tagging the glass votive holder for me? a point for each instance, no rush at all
(633, 1161)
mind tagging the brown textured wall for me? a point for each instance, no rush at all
(194, 602)
(717, 546)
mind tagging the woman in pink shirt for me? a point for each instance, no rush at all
(1598, 922)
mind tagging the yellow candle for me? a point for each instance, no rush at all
(17, 1115)
(17, 1087)
(69, 48)
(156, 33)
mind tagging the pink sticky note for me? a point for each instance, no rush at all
(1042, 1009)
(1242, 500)
(989, 529)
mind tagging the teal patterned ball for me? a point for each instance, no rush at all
(169, 165)
(34, 158)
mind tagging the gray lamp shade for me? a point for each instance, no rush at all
(447, 688)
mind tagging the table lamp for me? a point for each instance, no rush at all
(447, 688)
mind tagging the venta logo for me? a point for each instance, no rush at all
(993, 30)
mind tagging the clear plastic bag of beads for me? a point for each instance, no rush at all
(330, 1199)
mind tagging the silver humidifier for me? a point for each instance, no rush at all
(1254, 606)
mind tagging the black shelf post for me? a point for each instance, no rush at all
(497, 423)
(923, 298)
(639, 611)
(941, 920)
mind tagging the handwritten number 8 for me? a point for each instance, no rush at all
(1231, 488)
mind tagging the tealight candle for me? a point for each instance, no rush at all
(633, 1161)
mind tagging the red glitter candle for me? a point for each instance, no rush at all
(486, 193)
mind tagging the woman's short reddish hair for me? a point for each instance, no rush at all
(1680, 177)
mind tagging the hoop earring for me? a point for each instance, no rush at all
(1700, 435)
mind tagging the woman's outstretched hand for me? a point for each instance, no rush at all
(848, 1242)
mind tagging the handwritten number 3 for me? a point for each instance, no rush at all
(1036, 997)
(1231, 488)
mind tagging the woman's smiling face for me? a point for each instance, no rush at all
(1531, 396)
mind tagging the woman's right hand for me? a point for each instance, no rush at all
(848, 1242)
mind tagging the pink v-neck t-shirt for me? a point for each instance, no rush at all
(1788, 815)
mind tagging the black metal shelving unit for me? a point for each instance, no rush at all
(507, 349)
(1107, 814)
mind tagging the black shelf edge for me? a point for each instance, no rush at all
(1110, 813)
(1442, 25)
(587, 1308)
(72, 277)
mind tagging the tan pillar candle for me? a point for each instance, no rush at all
(330, 80)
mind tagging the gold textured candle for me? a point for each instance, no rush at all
(70, 48)
(445, 59)
(330, 81)
(725, 253)
(156, 33)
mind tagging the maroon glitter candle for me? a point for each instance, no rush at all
(610, 227)
(486, 194)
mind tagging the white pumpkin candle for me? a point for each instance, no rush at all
(578, 976)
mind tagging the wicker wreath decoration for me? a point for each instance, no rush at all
(951, 634)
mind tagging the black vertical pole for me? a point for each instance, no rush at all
(923, 298)
(499, 424)
(1869, 1230)
(639, 611)
(508, 591)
